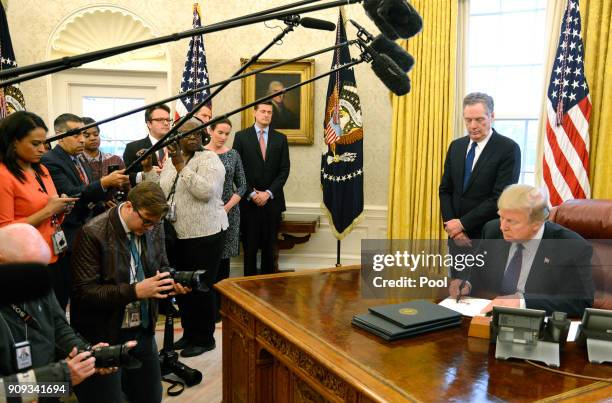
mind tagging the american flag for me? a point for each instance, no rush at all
(333, 130)
(195, 73)
(566, 149)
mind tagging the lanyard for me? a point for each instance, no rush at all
(40, 182)
(135, 255)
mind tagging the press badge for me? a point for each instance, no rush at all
(131, 317)
(23, 355)
(59, 242)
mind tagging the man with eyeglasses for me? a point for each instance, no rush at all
(116, 287)
(158, 123)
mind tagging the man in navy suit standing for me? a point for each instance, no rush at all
(265, 156)
(73, 177)
(477, 169)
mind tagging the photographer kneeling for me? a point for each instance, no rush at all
(116, 285)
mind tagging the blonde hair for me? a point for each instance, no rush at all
(525, 197)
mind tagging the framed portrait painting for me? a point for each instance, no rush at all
(292, 112)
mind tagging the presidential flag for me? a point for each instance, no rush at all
(566, 147)
(195, 73)
(11, 98)
(342, 163)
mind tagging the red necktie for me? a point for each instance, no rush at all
(262, 144)
(81, 171)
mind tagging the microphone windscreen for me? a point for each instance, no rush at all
(23, 282)
(371, 9)
(316, 23)
(390, 74)
(403, 59)
(404, 19)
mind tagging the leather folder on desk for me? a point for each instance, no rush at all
(398, 321)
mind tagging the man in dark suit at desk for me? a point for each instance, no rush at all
(73, 177)
(530, 262)
(477, 169)
(265, 156)
(158, 123)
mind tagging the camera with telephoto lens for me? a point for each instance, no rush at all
(193, 279)
(119, 355)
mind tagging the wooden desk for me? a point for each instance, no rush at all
(289, 338)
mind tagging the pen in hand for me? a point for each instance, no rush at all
(459, 293)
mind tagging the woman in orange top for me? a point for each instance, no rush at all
(27, 193)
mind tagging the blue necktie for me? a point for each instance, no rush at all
(469, 161)
(144, 304)
(513, 272)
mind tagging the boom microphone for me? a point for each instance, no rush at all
(391, 75)
(307, 22)
(403, 59)
(394, 18)
(25, 281)
(384, 45)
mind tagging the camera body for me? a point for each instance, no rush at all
(196, 279)
(119, 195)
(118, 355)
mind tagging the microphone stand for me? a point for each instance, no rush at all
(78, 60)
(163, 143)
(189, 115)
(195, 90)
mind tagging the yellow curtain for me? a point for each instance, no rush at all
(597, 36)
(423, 123)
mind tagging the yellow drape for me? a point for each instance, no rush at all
(597, 36)
(422, 126)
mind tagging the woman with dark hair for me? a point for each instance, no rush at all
(27, 193)
(233, 189)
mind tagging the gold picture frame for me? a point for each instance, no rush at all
(293, 115)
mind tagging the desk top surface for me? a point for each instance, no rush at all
(316, 310)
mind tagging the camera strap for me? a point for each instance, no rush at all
(173, 188)
(173, 389)
(25, 316)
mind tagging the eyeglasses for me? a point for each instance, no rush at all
(162, 120)
(146, 222)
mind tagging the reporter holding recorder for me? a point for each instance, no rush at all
(193, 185)
(116, 287)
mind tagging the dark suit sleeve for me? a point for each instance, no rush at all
(575, 290)
(507, 174)
(283, 172)
(129, 156)
(239, 147)
(445, 190)
(89, 193)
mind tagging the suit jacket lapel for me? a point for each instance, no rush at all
(462, 156)
(68, 160)
(482, 159)
(542, 256)
(254, 138)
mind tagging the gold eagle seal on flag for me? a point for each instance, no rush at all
(349, 110)
(13, 99)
